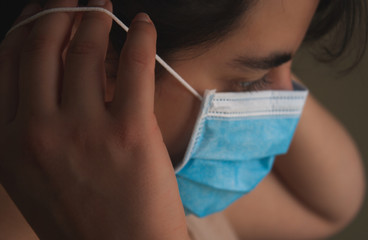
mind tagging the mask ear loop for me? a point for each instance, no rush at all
(120, 23)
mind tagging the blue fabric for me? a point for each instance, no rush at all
(244, 139)
(201, 199)
(230, 154)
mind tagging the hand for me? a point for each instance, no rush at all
(77, 167)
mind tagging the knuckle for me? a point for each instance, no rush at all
(86, 136)
(83, 48)
(126, 137)
(80, 138)
(132, 134)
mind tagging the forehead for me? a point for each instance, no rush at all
(269, 26)
(277, 24)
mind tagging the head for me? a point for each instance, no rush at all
(228, 45)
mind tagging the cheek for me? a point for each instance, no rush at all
(176, 111)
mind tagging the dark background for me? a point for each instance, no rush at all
(345, 96)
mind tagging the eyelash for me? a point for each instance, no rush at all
(247, 86)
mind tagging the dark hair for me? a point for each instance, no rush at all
(189, 23)
(333, 27)
(182, 24)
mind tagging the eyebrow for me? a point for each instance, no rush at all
(262, 63)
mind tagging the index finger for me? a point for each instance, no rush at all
(134, 93)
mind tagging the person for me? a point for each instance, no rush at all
(90, 137)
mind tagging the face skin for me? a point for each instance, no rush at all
(262, 46)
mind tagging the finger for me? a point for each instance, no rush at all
(83, 84)
(41, 63)
(134, 93)
(9, 66)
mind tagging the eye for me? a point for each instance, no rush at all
(257, 85)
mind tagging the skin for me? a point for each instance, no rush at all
(257, 36)
(143, 132)
(89, 192)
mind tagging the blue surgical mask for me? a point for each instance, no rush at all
(234, 142)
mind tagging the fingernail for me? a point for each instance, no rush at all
(142, 17)
(97, 2)
(30, 9)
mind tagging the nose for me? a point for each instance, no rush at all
(281, 77)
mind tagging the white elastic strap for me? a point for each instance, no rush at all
(120, 23)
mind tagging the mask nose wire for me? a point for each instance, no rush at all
(120, 23)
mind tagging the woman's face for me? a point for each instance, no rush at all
(257, 55)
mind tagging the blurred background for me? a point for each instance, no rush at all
(346, 97)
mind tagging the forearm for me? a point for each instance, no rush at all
(323, 168)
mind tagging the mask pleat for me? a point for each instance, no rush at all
(240, 176)
(195, 194)
(234, 144)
